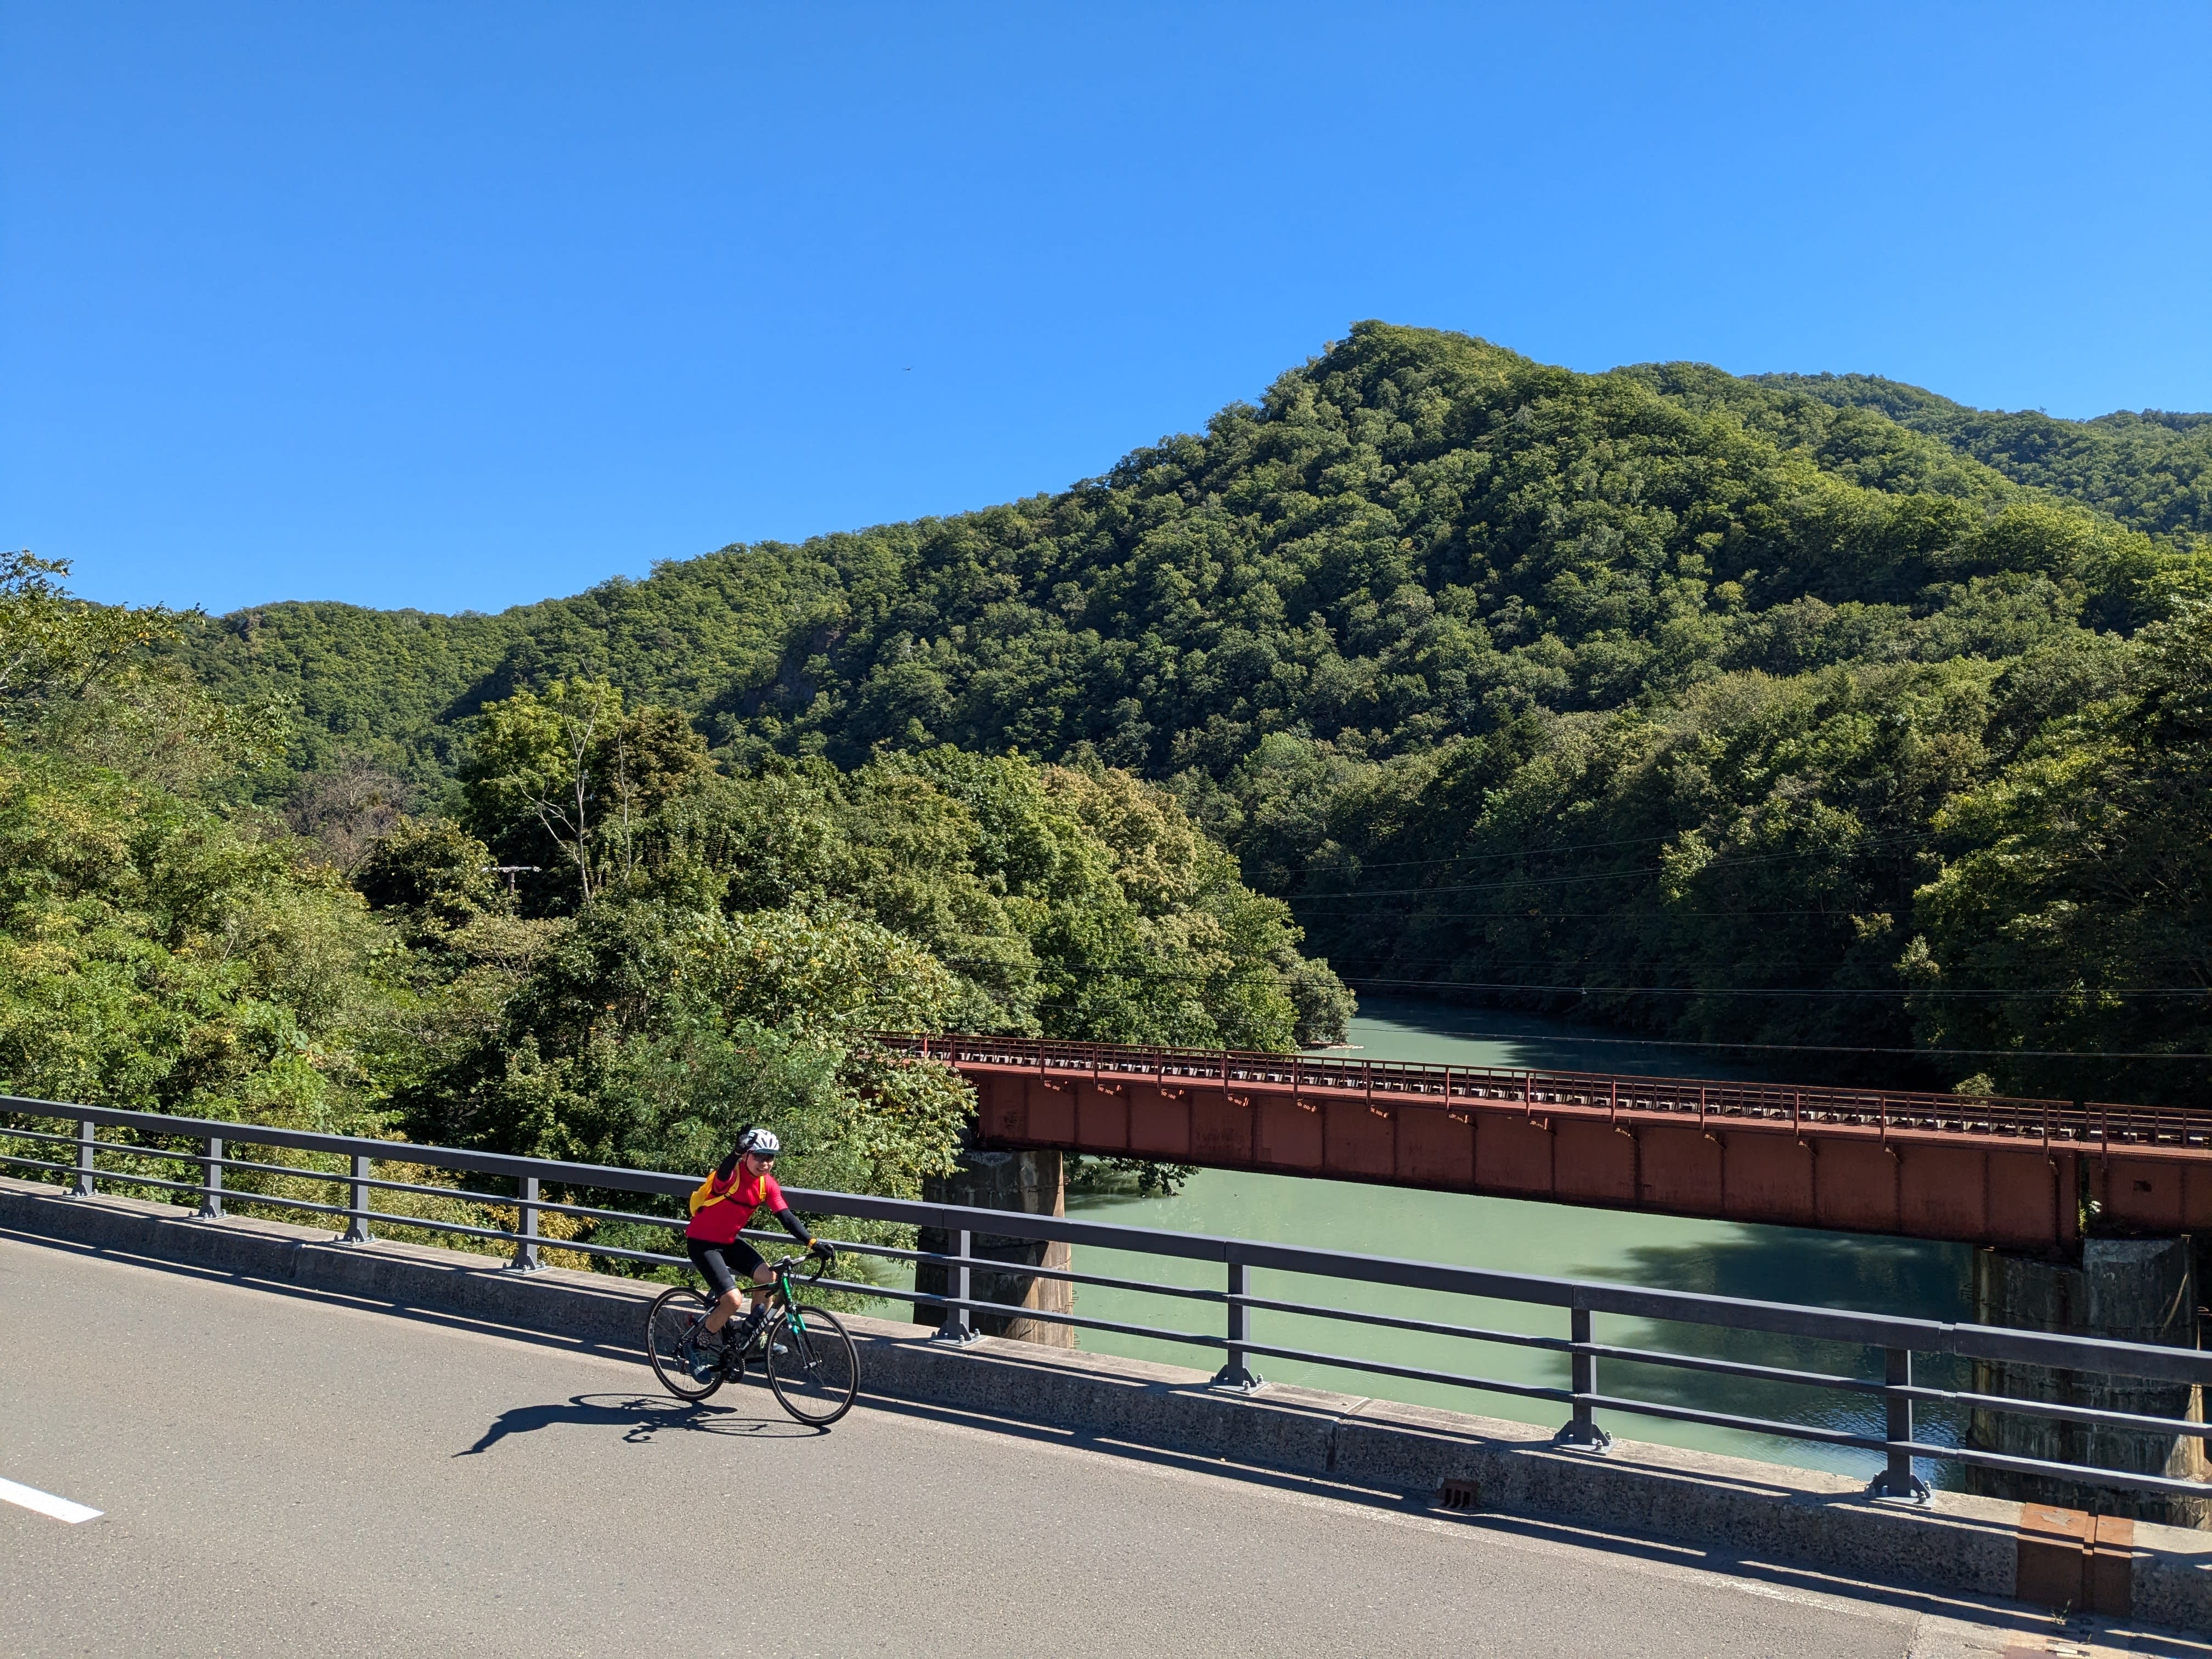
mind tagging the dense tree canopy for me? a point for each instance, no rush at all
(611, 951)
(1700, 703)
(1071, 900)
(2151, 470)
(1416, 536)
(2085, 865)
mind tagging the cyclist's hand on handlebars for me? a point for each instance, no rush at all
(825, 1248)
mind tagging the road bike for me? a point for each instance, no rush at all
(810, 1361)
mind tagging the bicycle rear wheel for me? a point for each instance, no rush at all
(670, 1325)
(812, 1365)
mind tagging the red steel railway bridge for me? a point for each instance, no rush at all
(2018, 1174)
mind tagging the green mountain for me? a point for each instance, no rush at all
(2151, 471)
(1659, 694)
(1415, 536)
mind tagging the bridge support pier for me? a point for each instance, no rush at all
(1033, 1183)
(2132, 1290)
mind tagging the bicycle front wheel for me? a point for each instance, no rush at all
(679, 1349)
(812, 1365)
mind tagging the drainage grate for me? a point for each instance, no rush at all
(1459, 1495)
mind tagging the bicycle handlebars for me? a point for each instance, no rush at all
(783, 1267)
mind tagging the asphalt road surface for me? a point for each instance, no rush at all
(281, 1473)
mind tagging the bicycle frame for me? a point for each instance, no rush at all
(788, 1340)
(782, 1301)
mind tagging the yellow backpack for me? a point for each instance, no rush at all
(704, 1192)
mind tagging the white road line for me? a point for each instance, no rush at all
(45, 1503)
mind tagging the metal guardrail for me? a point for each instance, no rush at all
(1414, 1082)
(1898, 1339)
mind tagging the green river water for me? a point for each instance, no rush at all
(1840, 1270)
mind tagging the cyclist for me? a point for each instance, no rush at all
(722, 1206)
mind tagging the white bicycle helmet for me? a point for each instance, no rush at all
(762, 1141)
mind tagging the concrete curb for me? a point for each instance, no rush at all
(1959, 1542)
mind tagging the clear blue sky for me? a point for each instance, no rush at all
(465, 305)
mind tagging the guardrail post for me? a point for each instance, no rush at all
(958, 1326)
(211, 1180)
(84, 1168)
(1898, 1481)
(356, 1231)
(525, 1247)
(1236, 1374)
(1582, 1428)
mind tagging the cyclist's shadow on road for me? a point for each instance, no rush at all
(640, 1417)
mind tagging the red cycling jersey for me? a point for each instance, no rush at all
(728, 1207)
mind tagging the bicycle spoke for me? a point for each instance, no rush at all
(686, 1357)
(813, 1366)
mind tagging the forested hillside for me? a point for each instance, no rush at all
(1777, 710)
(677, 950)
(1416, 536)
(2151, 470)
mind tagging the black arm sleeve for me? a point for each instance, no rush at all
(791, 1225)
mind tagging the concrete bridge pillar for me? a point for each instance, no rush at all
(1033, 1183)
(2132, 1290)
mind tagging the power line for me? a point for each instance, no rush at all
(1837, 1048)
(1544, 851)
(1518, 853)
(1691, 965)
(1999, 993)
(1562, 881)
(2083, 988)
(1836, 911)
(1669, 1042)
(1784, 991)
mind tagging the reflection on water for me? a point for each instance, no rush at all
(1879, 1275)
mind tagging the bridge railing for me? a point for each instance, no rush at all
(1413, 1083)
(206, 1151)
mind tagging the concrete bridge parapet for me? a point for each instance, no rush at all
(1763, 1512)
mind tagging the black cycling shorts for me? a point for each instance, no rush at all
(726, 1266)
